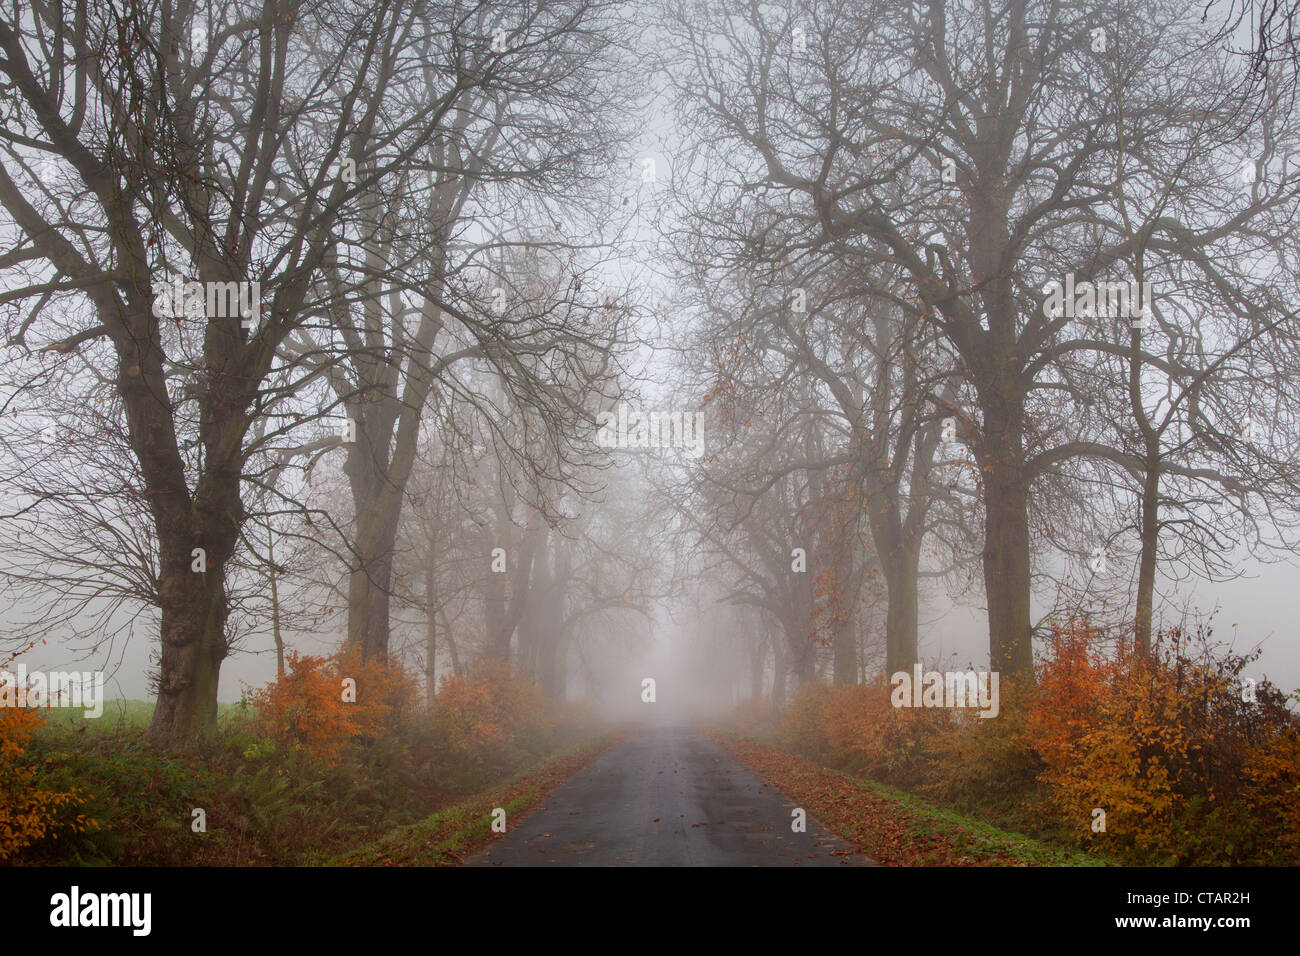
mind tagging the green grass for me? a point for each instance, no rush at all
(120, 714)
(980, 838)
(893, 825)
(446, 837)
(264, 804)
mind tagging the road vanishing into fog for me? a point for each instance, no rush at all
(665, 796)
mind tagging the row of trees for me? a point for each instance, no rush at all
(374, 402)
(408, 196)
(882, 209)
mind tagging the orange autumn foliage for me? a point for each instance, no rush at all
(479, 717)
(1167, 747)
(1117, 735)
(311, 707)
(857, 728)
(28, 812)
(1186, 767)
(977, 761)
(1070, 685)
(1272, 789)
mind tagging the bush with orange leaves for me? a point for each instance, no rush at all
(482, 720)
(982, 764)
(859, 729)
(803, 725)
(1271, 791)
(28, 812)
(322, 703)
(951, 755)
(1115, 736)
(1185, 766)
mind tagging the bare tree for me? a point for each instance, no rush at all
(409, 294)
(202, 148)
(973, 146)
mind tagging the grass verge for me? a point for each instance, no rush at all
(264, 803)
(452, 834)
(892, 827)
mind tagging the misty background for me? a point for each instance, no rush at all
(616, 230)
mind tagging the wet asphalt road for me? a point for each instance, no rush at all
(665, 797)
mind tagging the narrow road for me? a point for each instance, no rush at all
(666, 797)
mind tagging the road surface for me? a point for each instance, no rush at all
(666, 796)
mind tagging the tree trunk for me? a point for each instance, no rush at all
(452, 649)
(800, 632)
(1006, 533)
(371, 581)
(551, 666)
(862, 656)
(194, 604)
(899, 553)
(503, 618)
(844, 645)
(537, 628)
(193, 647)
(380, 460)
(901, 613)
(801, 659)
(276, 637)
(1146, 585)
(430, 633)
(845, 653)
(494, 584)
(559, 689)
(779, 677)
(552, 630)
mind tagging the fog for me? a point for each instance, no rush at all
(523, 373)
